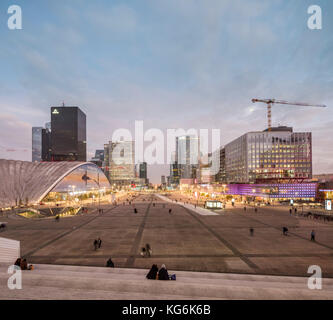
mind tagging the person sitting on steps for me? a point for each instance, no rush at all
(152, 274)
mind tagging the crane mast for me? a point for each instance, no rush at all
(270, 102)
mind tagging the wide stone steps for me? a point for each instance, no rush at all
(72, 282)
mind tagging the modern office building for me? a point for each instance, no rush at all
(37, 144)
(276, 156)
(218, 165)
(41, 144)
(68, 135)
(143, 170)
(119, 162)
(187, 156)
(98, 158)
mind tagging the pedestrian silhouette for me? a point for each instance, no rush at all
(95, 244)
(313, 235)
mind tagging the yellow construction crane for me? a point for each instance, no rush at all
(270, 102)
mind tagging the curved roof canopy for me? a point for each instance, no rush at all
(24, 182)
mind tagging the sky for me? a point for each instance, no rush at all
(172, 63)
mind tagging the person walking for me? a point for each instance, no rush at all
(244, 208)
(251, 232)
(313, 235)
(143, 252)
(170, 211)
(99, 242)
(148, 250)
(290, 211)
(95, 244)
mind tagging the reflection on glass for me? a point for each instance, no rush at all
(84, 183)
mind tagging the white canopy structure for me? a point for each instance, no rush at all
(23, 182)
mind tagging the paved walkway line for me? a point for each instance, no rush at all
(289, 232)
(45, 244)
(235, 251)
(199, 210)
(136, 244)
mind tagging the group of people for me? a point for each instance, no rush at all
(97, 243)
(162, 274)
(23, 264)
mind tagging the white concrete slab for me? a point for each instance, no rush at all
(199, 210)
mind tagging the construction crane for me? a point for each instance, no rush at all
(270, 102)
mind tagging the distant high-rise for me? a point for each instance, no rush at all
(68, 135)
(187, 156)
(119, 158)
(98, 158)
(143, 170)
(37, 144)
(41, 142)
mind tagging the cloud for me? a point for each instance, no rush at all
(175, 63)
(15, 138)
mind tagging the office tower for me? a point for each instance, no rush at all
(143, 170)
(119, 163)
(278, 156)
(187, 156)
(218, 165)
(41, 144)
(98, 158)
(68, 135)
(37, 144)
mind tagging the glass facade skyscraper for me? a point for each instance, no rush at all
(37, 144)
(119, 162)
(279, 155)
(68, 135)
(187, 156)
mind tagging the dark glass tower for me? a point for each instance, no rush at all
(68, 135)
(143, 170)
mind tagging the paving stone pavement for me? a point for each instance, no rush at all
(183, 240)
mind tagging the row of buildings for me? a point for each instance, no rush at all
(274, 163)
(64, 139)
(275, 156)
